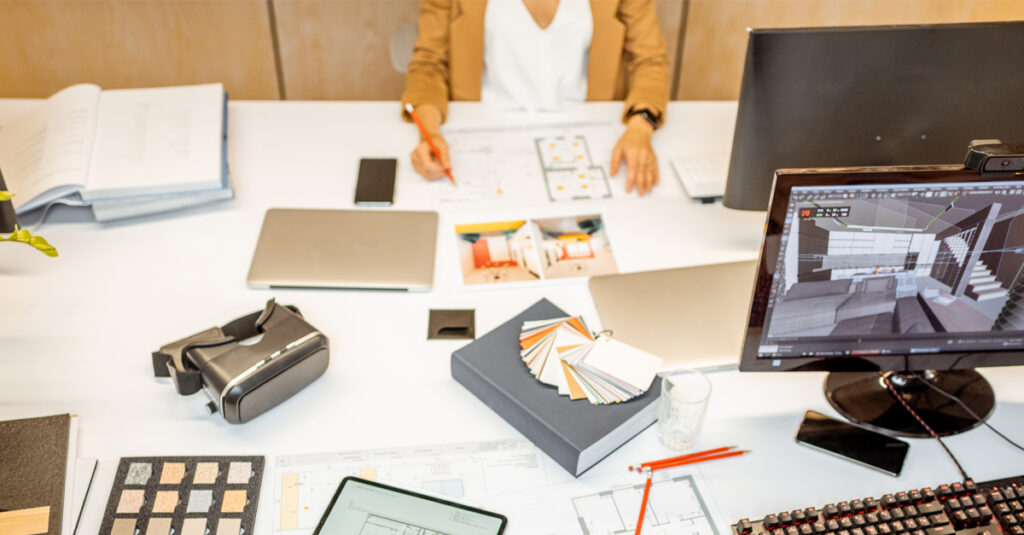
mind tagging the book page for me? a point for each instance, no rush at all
(159, 140)
(45, 152)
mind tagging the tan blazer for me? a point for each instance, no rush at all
(627, 54)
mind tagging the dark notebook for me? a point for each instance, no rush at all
(576, 434)
(33, 469)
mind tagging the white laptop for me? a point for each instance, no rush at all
(691, 317)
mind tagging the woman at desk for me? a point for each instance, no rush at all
(541, 55)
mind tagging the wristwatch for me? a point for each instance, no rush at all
(648, 115)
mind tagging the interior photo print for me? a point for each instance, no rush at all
(533, 250)
(898, 262)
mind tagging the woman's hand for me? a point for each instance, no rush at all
(424, 162)
(641, 162)
(423, 159)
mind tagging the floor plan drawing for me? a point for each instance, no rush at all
(305, 483)
(569, 170)
(675, 506)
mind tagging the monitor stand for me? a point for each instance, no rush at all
(862, 398)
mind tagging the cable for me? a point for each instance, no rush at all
(895, 394)
(973, 414)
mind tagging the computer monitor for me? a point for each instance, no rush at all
(858, 96)
(901, 276)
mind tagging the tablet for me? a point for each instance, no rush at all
(361, 507)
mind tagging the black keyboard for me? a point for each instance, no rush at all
(969, 508)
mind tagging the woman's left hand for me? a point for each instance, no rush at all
(641, 162)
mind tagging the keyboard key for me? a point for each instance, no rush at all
(845, 522)
(888, 501)
(859, 521)
(928, 494)
(871, 504)
(958, 488)
(978, 500)
(929, 508)
(986, 514)
(857, 505)
(897, 514)
(940, 530)
(744, 527)
(785, 519)
(996, 496)
(970, 486)
(812, 514)
(771, 522)
(902, 498)
(831, 511)
(871, 518)
(792, 530)
(943, 492)
(798, 516)
(819, 527)
(844, 508)
(959, 519)
(938, 519)
(915, 496)
(870, 530)
(832, 524)
(910, 524)
(1010, 493)
(897, 526)
(886, 516)
(910, 511)
(1016, 530)
(806, 529)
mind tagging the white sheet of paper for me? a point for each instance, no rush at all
(623, 361)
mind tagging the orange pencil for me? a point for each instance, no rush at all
(643, 504)
(433, 148)
(639, 467)
(671, 464)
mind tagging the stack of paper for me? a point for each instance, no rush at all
(561, 352)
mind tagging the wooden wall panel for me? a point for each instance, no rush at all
(670, 16)
(340, 49)
(49, 44)
(716, 38)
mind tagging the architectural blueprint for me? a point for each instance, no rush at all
(304, 484)
(675, 507)
(527, 163)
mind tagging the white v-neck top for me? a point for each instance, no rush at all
(530, 68)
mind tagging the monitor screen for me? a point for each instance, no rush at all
(881, 271)
(859, 96)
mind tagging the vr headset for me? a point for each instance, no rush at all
(249, 365)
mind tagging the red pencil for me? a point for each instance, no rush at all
(426, 136)
(643, 504)
(641, 466)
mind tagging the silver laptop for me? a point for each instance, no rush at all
(692, 317)
(365, 249)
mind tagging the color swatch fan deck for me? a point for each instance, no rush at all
(563, 353)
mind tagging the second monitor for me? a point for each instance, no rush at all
(857, 96)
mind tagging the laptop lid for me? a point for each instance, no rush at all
(693, 317)
(363, 249)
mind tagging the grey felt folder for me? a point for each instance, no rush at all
(575, 434)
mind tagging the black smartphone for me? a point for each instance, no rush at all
(853, 443)
(375, 185)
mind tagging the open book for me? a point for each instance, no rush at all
(123, 151)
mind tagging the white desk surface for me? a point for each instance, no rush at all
(76, 332)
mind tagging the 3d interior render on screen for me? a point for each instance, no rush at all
(897, 263)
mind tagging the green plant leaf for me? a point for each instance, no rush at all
(5, 195)
(37, 242)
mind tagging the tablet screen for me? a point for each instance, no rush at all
(361, 507)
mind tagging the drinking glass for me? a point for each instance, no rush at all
(683, 403)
